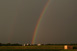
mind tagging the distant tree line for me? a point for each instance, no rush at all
(9, 44)
(17, 44)
(61, 44)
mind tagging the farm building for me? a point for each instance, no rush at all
(38, 44)
(68, 47)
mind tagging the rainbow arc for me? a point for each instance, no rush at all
(39, 21)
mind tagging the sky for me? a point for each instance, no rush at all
(18, 19)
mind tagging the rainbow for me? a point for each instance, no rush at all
(11, 33)
(39, 21)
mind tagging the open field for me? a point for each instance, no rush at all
(32, 47)
(28, 50)
(35, 48)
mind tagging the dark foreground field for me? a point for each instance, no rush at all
(32, 47)
(34, 50)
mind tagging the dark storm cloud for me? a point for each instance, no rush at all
(18, 19)
(59, 23)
